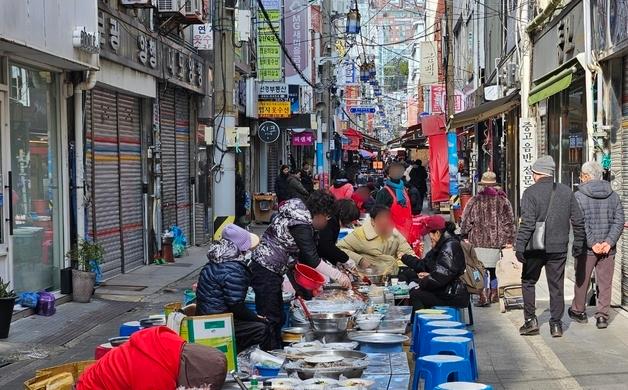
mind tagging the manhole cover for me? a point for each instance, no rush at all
(122, 287)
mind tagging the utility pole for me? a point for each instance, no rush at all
(325, 126)
(223, 183)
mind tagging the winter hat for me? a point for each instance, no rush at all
(489, 179)
(434, 223)
(240, 237)
(544, 166)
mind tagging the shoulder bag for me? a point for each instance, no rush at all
(537, 241)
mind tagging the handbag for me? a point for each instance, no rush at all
(537, 241)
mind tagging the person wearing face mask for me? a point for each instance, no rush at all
(437, 281)
(395, 196)
(289, 235)
(376, 244)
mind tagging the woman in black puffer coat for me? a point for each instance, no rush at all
(224, 282)
(437, 276)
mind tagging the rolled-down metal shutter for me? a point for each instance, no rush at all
(273, 164)
(131, 198)
(114, 178)
(620, 260)
(168, 158)
(182, 141)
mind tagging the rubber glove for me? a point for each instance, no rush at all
(334, 274)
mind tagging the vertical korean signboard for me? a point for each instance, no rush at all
(269, 56)
(296, 39)
(527, 152)
(452, 159)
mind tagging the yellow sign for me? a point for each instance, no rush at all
(273, 109)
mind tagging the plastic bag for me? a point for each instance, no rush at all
(179, 241)
(29, 299)
(94, 266)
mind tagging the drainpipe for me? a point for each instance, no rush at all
(590, 67)
(88, 84)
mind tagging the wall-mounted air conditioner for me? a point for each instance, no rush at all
(139, 3)
(193, 11)
(169, 6)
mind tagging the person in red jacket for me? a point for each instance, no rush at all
(156, 358)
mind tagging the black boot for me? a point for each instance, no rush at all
(578, 317)
(530, 327)
(602, 323)
(556, 329)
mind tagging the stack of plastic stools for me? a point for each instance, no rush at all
(415, 323)
(463, 386)
(455, 312)
(451, 332)
(426, 328)
(417, 329)
(458, 346)
(437, 369)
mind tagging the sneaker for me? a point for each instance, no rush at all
(556, 329)
(580, 318)
(602, 323)
(530, 327)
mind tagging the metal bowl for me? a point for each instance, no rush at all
(355, 355)
(330, 322)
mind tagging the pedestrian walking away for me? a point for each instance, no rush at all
(395, 196)
(551, 207)
(604, 223)
(489, 225)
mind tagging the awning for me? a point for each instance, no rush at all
(485, 111)
(552, 85)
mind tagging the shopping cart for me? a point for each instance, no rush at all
(508, 271)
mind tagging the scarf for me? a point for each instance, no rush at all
(399, 193)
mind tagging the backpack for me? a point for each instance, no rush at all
(474, 273)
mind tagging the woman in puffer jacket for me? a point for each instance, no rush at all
(437, 281)
(224, 282)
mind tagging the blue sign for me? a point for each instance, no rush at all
(452, 151)
(362, 110)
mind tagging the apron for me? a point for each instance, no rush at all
(402, 216)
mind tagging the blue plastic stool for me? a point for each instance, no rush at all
(426, 328)
(455, 312)
(463, 386)
(419, 321)
(128, 328)
(451, 332)
(437, 369)
(458, 346)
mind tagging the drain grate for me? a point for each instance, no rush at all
(122, 287)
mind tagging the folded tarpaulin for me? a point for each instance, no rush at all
(439, 167)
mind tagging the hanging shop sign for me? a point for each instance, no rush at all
(303, 139)
(438, 99)
(203, 36)
(131, 45)
(269, 56)
(429, 64)
(87, 41)
(528, 152)
(296, 39)
(268, 132)
(273, 109)
(272, 91)
(294, 92)
(362, 110)
(452, 159)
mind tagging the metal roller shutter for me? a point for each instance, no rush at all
(182, 142)
(273, 164)
(130, 153)
(624, 173)
(114, 178)
(168, 158)
(104, 216)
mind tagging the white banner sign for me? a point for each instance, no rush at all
(203, 37)
(272, 91)
(527, 152)
(429, 63)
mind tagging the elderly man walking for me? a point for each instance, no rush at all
(604, 223)
(553, 205)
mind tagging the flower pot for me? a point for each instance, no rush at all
(6, 312)
(82, 285)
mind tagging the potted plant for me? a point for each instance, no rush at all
(7, 301)
(84, 255)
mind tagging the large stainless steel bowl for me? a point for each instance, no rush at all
(330, 322)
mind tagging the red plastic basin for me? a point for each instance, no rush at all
(308, 277)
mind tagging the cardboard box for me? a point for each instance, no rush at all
(212, 330)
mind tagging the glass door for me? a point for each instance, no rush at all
(33, 180)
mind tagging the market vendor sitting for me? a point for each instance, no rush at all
(224, 282)
(435, 280)
(156, 358)
(376, 244)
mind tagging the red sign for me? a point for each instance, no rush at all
(352, 96)
(303, 139)
(316, 18)
(438, 99)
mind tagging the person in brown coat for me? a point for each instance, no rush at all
(489, 223)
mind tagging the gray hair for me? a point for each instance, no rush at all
(593, 169)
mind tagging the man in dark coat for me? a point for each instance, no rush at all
(604, 223)
(306, 177)
(562, 213)
(224, 282)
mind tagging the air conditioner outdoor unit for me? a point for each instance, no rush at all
(169, 6)
(193, 10)
(139, 3)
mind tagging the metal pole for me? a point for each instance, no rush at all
(325, 129)
(223, 184)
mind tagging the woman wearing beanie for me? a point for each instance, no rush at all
(224, 282)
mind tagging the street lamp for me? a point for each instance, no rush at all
(353, 22)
